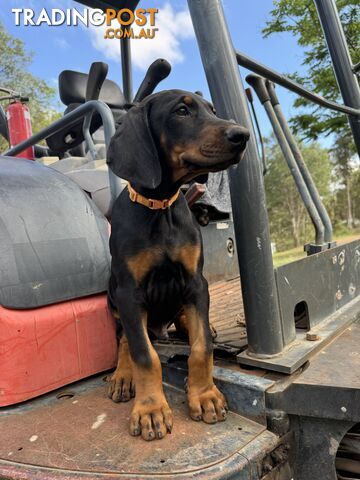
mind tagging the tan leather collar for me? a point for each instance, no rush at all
(153, 204)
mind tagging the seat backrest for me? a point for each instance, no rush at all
(72, 89)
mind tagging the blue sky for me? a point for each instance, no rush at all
(64, 47)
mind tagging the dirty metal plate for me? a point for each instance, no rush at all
(338, 364)
(300, 350)
(330, 386)
(89, 433)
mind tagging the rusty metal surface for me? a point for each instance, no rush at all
(300, 350)
(330, 386)
(88, 433)
(338, 364)
(227, 313)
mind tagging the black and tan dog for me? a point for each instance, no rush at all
(156, 274)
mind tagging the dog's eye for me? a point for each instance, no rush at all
(182, 111)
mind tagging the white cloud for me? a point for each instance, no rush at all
(61, 43)
(173, 27)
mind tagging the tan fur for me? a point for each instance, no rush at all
(141, 263)
(151, 411)
(122, 384)
(188, 100)
(205, 400)
(189, 256)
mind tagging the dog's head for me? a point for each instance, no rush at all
(174, 136)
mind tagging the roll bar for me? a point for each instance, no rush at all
(83, 111)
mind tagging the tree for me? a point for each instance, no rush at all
(343, 170)
(346, 180)
(299, 18)
(14, 61)
(290, 225)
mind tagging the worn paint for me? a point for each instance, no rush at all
(100, 419)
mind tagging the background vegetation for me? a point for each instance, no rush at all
(14, 74)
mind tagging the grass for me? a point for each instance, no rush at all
(281, 258)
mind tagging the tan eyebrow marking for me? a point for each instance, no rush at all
(188, 100)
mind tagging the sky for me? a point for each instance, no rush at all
(57, 48)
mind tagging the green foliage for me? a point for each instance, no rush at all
(289, 222)
(14, 61)
(299, 18)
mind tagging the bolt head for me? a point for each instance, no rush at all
(312, 337)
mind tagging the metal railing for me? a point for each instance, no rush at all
(84, 111)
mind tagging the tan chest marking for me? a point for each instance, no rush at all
(187, 255)
(141, 263)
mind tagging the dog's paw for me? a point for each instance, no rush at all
(121, 386)
(209, 405)
(151, 417)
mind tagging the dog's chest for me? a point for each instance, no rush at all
(167, 281)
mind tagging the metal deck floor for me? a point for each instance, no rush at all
(86, 436)
(227, 313)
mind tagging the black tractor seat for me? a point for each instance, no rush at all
(72, 90)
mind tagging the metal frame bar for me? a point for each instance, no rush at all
(265, 337)
(296, 174)
(310, 184)
(261, 69)
(259, 85)
(86, 110)
(125, 47)
(339, 52)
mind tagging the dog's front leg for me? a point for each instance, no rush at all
(151, 415)
(122, 384)
(206, 402)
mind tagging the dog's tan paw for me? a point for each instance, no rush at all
(151, 417)
(121, 386)
(208, 405)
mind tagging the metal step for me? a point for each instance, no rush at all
(80, 433)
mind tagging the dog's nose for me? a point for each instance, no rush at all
(237, 135)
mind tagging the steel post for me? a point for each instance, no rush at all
(343, 68)
(246, 183)
(125, 47)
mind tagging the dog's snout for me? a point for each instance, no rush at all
(237, 135)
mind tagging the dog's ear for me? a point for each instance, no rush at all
(132, 154)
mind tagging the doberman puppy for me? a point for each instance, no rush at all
(157, 259)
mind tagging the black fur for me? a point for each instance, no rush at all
(161, 144)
